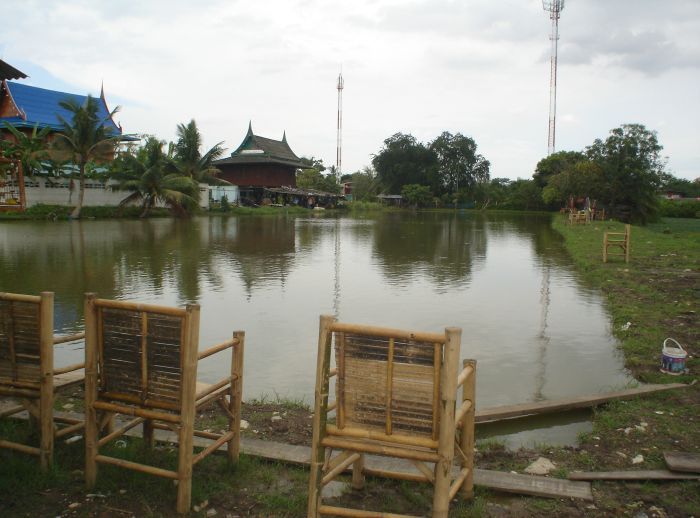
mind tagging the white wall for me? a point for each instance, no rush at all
(57, 192)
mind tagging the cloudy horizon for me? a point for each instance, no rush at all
(480, 68)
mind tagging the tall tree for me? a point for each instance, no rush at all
(146, 175)
(554, 164)
(188, 159)
(86, 137)
(30, 149)
(403, 160)
(633, 169)
(460, 167)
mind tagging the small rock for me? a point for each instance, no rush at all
(211, 512)
(621, 454)
(659, 412)
(68, 406)
(73, 439)
(628, 430)
(596, 438)
(541, 466)
(626, 326)
(641, 514)
(95, 495)
(120, 444)
(244, 424)
(640, 428)
(122, 491)
(74, 505)
(638, 459)
(275, 418)
(335, 489)
(201, 506)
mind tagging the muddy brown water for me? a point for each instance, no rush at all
(536, 330)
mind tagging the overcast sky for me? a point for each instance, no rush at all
(478, 67)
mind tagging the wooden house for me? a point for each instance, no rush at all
(260, 163)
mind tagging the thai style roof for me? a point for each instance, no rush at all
(30, 106)
(261, 150)
(7, 71)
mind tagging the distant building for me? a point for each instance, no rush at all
(260, 163)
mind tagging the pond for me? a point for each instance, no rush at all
(535, 329)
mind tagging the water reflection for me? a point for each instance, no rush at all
(536, 331)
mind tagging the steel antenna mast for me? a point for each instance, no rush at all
(554, 7)
(339, 144)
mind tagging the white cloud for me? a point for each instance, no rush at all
(419, 66)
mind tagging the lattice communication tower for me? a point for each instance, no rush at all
(554, 7)
(339, 143)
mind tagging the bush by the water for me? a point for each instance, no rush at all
(56, 212)
(680, 208)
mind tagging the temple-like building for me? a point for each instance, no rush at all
(23, 107)
(260, 162)
(7, 71)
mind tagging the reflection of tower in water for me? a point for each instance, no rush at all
(336, 284)
(542, 337)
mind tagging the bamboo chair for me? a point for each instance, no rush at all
(395, 396)
(617, 240)
(27, 371)
(141, 361)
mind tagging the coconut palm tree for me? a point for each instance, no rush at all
(30, 149)
(85, 138)
(148, 175)
(187, 158)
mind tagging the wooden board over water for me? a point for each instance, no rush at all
(562, 405)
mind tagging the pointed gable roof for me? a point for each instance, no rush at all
(7, 71)
(38, 106)
(257, 150)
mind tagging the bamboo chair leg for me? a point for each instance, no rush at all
(320, 415)
(46, 388)
(148, 435)
(358, 476)
(235, 398)
(466, 442)
(91, 425)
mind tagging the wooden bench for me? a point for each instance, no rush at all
(395, 395)
(141, 361)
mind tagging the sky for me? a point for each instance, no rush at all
(477, 67)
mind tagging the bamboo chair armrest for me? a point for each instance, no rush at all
(69, 368)
(68, 338)
(464, 375)
(218, 348)
(202, 392)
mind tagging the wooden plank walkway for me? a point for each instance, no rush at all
(656, 474)
(561, 405)
(682, 461)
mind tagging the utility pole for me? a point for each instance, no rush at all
(339, 144)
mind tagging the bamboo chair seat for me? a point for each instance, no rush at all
(395, 395)
(141, 361)
(617, 240)
(27, 372)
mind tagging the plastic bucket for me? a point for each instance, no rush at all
(673, 358)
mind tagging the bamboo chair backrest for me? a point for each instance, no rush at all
(388, 382)
(143, 351)
(24, 341)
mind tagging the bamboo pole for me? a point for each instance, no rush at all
(357, 513)
(136, 400)
(323, 357)
(361, 433)
(437, 362)
(136, 412)
(464, 409)
(217, 348)
(189, 381)
(19, 297)
(358, 473)
(389, 384)
(340, 382)
(20, 447)
(135, 466)
(69, 338)
(91, 426)
(46, 372)
(379, 449)
(339, 468)
(121, 431)
(11, 411)
(236, 396)
(384, 332)
(139, 307)
(68, 368)
(213, 447)
(400, 475)
(429, 474)
(448, 390)
(226, 382)
(458, 482)
(466, 441)
(466, 372)
(69, 430)
(628, 235)
(17, 392)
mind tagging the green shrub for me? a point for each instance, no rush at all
(680, 208)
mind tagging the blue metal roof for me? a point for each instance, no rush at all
(41, 106)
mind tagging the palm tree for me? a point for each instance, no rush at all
(146, 174)
(187, 158)
(86, 137)
(30, 149)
